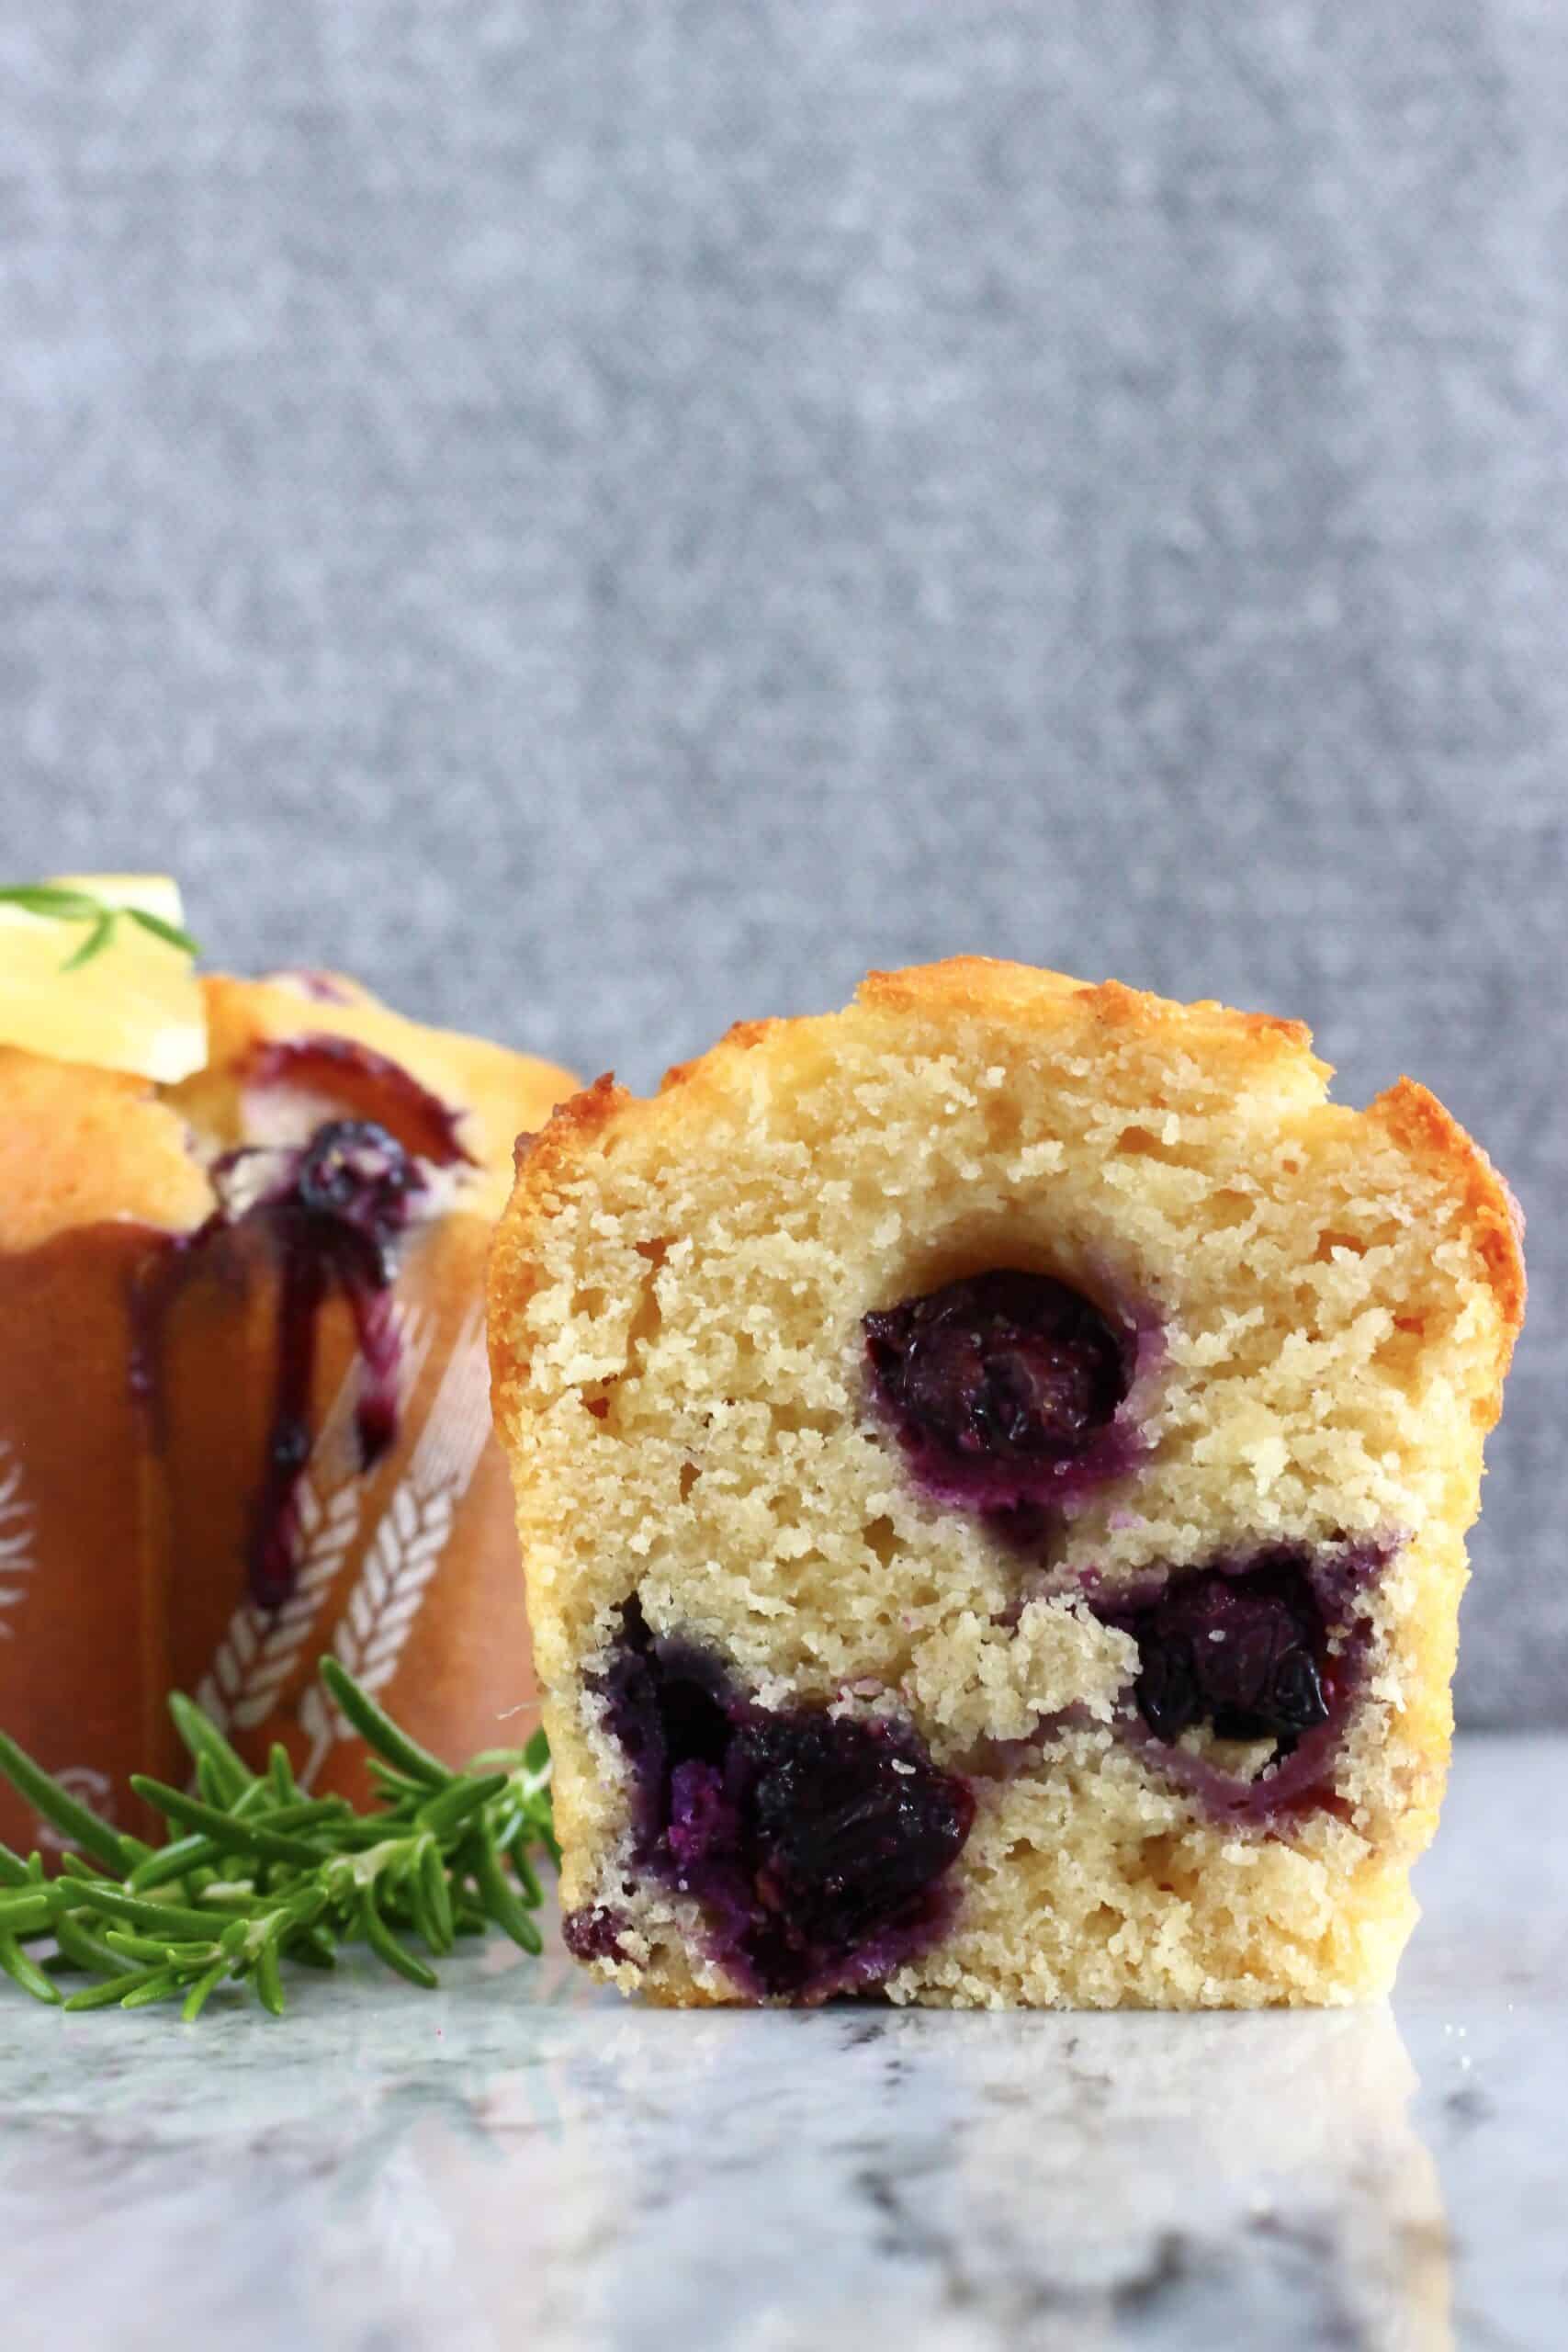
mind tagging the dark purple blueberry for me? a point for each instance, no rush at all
(354, 1168)
(1243, 1651)
(850, 1823)
(1274, 1645)
(358, 1176)
(594, 1934)
(669, 1704)
(817, 1845)
(1003, 1386)
(1012, 1366)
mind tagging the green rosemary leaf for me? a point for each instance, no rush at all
(169, 932)
(501, 1903)
(227, 1830)
(57, 1806)
(385, 1945)
(60, 904)
(247, 1892)
(14, 1871)
(169, 1920)
(112, 1993)
(196, 1998)
(185, 1854)
(97, 939)
(161, 1985)
(27, 1912)
(517, 1849)
(27, 1973)
(202, 1738)
(172, 1862)
(82, 1950)
(444, 1813)
(52, 899)
(78, 1866)
(130, 1946)
(406, 1906)
(378, 1731)
(437, 1898)
(269, 1979)
(313, 1947)
(395, 1787)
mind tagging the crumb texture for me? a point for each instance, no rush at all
(1324, 1302)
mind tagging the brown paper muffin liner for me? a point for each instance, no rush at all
(124, 1520)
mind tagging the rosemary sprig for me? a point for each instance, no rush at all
(255, 1874)
(102, 919)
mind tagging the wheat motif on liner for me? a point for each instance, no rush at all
(405, 1550)
(261, 1648)
(15, 1537)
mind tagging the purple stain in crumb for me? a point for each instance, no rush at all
(593, 1933)
(331, 1213)
(1007, 1390)
(1270, 1646)
(817, 1845)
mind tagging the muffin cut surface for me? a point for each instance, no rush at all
(992, 1470)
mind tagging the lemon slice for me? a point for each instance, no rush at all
(135, 1005)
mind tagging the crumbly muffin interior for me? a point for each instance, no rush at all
(1324, 1302)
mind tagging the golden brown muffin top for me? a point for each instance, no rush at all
(79, 1145)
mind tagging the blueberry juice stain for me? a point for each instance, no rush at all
(329, 1215)
(333, 1221)
(816, 1846)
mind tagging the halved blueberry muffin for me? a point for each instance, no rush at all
(992, 1468)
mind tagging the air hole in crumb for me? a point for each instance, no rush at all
(690, 1474)
(790, 1421)
(1157, 1860)
(1330, 1240)
(598, 1405)
(1228, 1208)
(1004, 1124)
(655, 1253)
(590, 1302)
(646, 1317)
(1400, 1354)
(882, 1540)
(1142, 1142)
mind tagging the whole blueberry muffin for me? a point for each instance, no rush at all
(244, 1398)
(992, 1468)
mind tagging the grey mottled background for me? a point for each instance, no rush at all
(606, 518)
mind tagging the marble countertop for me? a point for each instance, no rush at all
(520, 2160)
